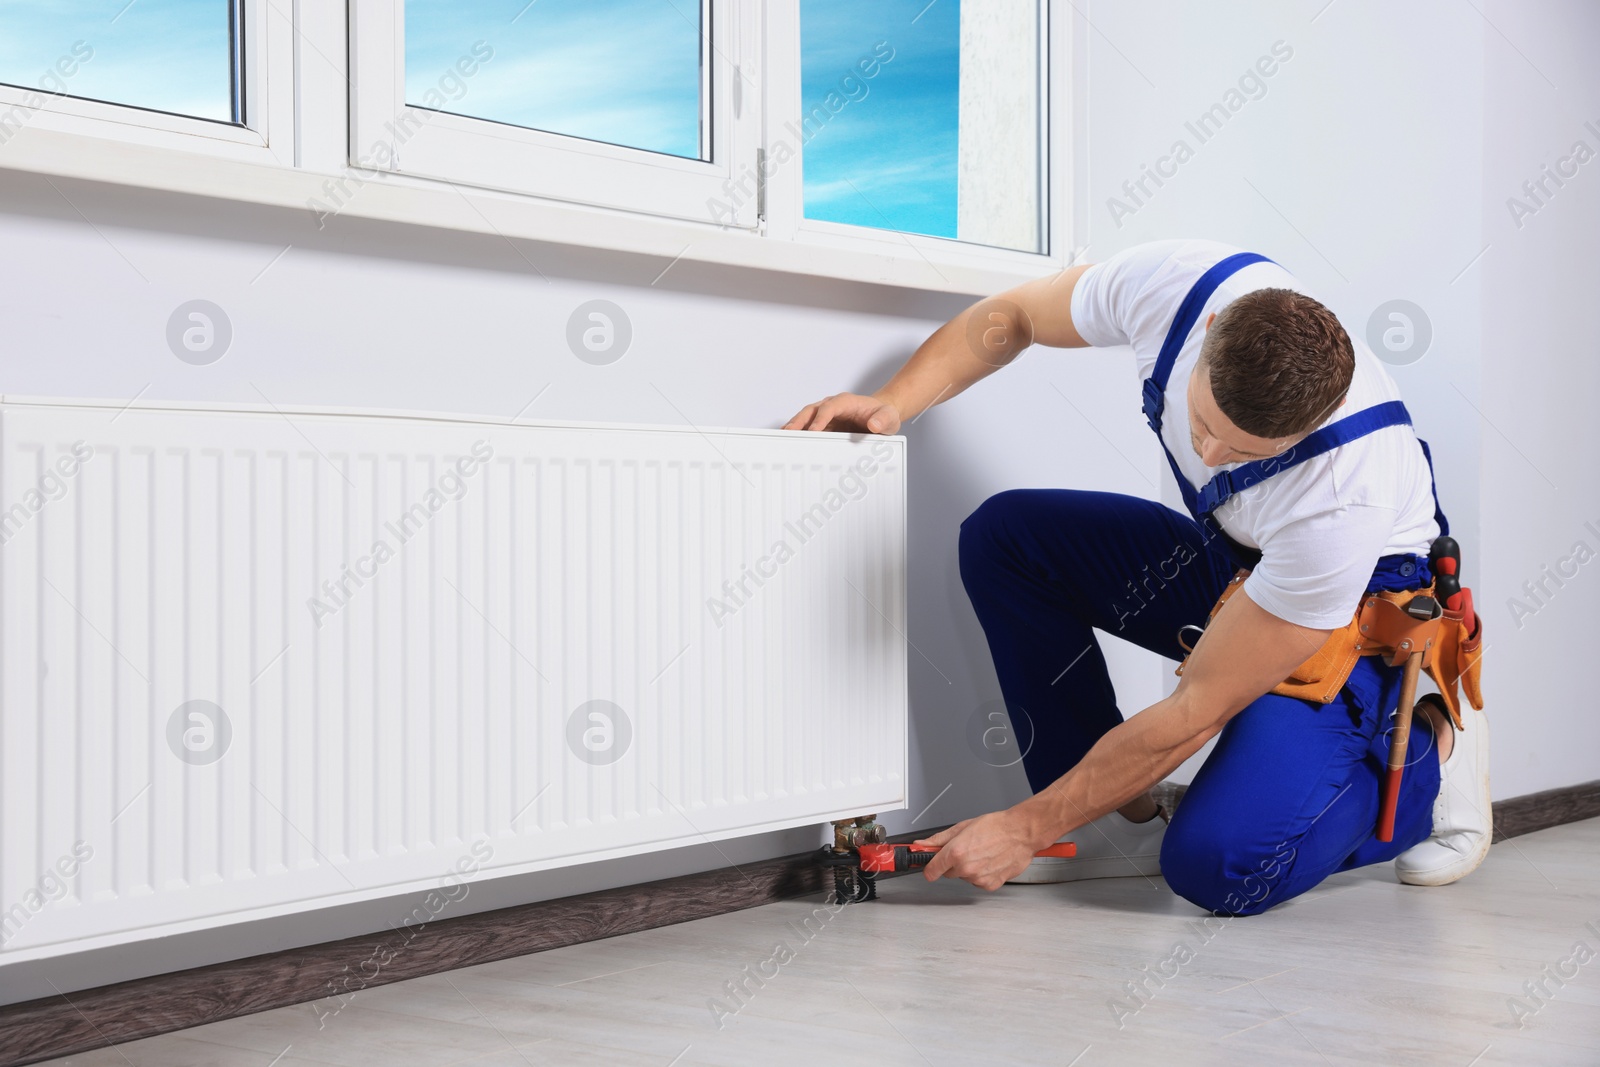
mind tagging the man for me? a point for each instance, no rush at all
(1241, 366)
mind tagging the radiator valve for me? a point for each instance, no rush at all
(851, 884)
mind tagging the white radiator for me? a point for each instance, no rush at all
(256, 661)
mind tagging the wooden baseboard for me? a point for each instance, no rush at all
(127, 1011)
(1540, 811)
(68, 1024)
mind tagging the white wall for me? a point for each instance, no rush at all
(1541, 379)
(1375, 165)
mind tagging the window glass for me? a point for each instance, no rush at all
(625, 72)
(923, 117)
(164, 55)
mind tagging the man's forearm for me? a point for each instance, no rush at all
(1121, 766)
(1244, 652)
(946, 363)
(984, 338)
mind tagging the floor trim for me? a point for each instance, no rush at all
(1540, 811)
(128, 1011)
(61, 1026)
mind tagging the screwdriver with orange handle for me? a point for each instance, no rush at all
(897, 858)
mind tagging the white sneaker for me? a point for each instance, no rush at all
(1109, 847)
(1463, 820)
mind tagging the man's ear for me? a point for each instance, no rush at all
(1210, 319)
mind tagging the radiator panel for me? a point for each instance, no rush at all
(400, 618)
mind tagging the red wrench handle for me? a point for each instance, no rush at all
(883, 858)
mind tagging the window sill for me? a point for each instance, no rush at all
(880, 258)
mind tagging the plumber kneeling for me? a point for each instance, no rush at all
(1302, 477)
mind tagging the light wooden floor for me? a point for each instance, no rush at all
(1361, 970)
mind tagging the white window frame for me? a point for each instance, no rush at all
(266, 135)
(494, 155)
(308, 106)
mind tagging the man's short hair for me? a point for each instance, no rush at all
(1278, 362)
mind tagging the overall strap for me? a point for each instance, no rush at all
(1433, 483)
(1369, 420)
(1155, 386)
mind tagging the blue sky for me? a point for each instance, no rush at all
(889, 158)
(622, 71)
(170, 55)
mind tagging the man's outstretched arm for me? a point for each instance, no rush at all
(1244, 653)
(968, 348)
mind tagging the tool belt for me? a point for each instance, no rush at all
(1382, 627)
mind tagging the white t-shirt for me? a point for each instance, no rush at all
(1320, 526)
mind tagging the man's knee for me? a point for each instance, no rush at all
(996, 515)
(988, 534)
(1222, 872)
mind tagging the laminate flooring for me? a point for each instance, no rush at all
(1501, 968)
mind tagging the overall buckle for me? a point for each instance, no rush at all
(1154, 403)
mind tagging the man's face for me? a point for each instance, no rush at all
(1216, 440)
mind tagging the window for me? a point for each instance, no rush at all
(925, 118)
(638, 104)
(902, 142)
(176, 56)
(208, 76)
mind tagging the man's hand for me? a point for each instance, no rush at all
(849, 412)
(986, 851)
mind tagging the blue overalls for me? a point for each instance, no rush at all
(1290, 794)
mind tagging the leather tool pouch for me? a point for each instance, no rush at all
(1458, 660)
(1380, 626)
